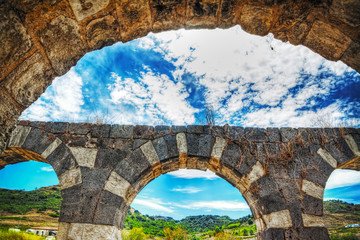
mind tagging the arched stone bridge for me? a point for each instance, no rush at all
(281, 173)
(42, 39)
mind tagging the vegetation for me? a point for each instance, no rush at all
(134, 234)
(348, 236)
(21, 202)
(18, 236)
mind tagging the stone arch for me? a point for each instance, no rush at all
(280, 172)
(42, 40)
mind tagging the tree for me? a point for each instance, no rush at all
(134, 234)
(177, 233)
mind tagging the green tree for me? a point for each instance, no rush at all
(134, 234)
(177, 233)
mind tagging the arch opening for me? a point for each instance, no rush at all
(183, 193)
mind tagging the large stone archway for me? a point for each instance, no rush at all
(43, 39)
(101, 168)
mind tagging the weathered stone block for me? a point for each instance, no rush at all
(29, 80)
(56, 143)
(138, 143)
(161, 131)
(70, 178)
(109, 158)
(56, 127)
(19, 136)
(84, 9)
(63, 44)
(288, 134)
(272, 203)
(79, 128)
(90, 200)
(123, 144)
(352, 56)
(181, 143)
(133, 166)
(171, 143)
(202, 13)
(266, 185)
(218, 148)
(289, 188)
(168, 14)
(273, 134)
(346, 10)
(206, 143)
(199, 129)
(231, 156)
(70, 213)
(326, 40)
(314, 233)
(256, 134)
(61, 159)
(273, 233)
(312, 220)
(144, 132)
(192, 144)
(339, 150)
(161, 148)
(235, 133)
(150, 152)
(117, 185)
(312, 205)
(77, 141)
(312, 189)
(229, 12)
(94, 178)
(100, 131)
(15, 41)
(178, 129)
(121, 131)
(41, 143)
(256, 19)
(102, 32)
(134, 18)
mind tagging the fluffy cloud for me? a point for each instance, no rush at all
(152, 99)
(189, 190)
(47, 169)
(190, 174)
(62, 101)
(343, 178)
(155, 204)
(218, 205)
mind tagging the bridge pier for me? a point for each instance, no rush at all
(281, 173)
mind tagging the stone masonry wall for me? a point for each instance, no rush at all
(281, 173)
(43, 39)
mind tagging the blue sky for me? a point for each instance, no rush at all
(172, 77)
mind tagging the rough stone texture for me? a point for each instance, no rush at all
(326, 40)
(29, 80)
(83, 9)
(14, 39)
(101, 176)
(346, 10)
(256, 20)
(63, 43)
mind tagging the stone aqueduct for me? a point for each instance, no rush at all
(101, 168)
(281, 173)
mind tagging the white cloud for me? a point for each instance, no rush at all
(155, 204)
(343, 178)
(190, 174)
(240, 70)
(189, 190)
(151, 99)
(47, 169)
(62, 101)
(218, 205)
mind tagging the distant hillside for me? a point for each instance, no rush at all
(338, 213)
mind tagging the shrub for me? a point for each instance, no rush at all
(177, 234)
(348, 236)
(134, 234)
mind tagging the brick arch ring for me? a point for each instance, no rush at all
(281, 173)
